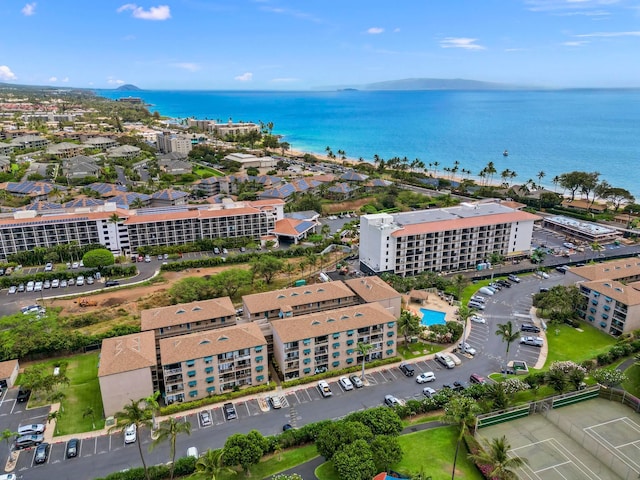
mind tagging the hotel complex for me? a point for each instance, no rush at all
(198, 349)
(444, 239)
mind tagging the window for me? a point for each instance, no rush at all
(259, 348)
(349, 360)
(208, 370)
(211, 389)
(389, 352)
(259, 378)
(336, 364)
(350, 351)
(391, 324)
(306, 361)
(193, 383)
(389, 342)
(210, 379)
(193, 393)
(336, 354)
(591, 318)
(191, 363)
(389, 334)
(349, 342)
(336, 345)
(336, 335)
(307, 341)
(208, 360)
(349, 333)
(307, 351)
(306, 370)
(191, 373)
(259, 359)
(259, 368)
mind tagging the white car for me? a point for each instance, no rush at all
(426, 377)
(276, 402)
(30, 285)
(324, 388)
(428, 392)
(55, 283)
(486, 291)
(477, 319)
(346, 383)
(75, 265)
(37, 287)
(13, 289)
(466, 348)
(130, 433)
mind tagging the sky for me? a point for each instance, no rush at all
(302, 45)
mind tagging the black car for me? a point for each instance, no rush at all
(529, 327)
(229, 411)
(23, 395)
(72, 448)
(111, 283)
(505, 283)
(407, 369)
(42, 453)
(287, 426)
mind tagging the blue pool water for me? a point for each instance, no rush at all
(432, 317)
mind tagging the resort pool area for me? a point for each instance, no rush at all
(432, 317)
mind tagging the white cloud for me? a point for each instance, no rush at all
(6, 74)
(191, 67)
(245, 77)
(161, 12)
(564, 5)
(575, 43)
(53, 79)
(375, 30)
(114, 81)
(29, 9)
(461, 42)
(609, 34)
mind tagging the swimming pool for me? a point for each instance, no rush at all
(432, 317)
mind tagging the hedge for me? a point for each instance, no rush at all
(184, 466)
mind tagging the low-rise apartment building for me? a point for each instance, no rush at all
(212, 362)
(317, 342)
(444, 239)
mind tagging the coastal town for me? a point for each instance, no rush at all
(223, 276)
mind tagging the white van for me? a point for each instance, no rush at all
(192, 452)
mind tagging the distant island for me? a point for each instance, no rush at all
(127, 87)
(412, 84)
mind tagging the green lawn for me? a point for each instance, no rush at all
(272, 465)
(430, 450)
(83, 391)
(632, 385)
(205, 172)
(568, 343)
(419, 349)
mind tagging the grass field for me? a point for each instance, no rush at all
(430, 451)
(205, 172)
(419, 349)
(568, 343)
(632, 385)
(272, 465)
(82, 392)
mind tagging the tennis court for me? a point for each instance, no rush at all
(595, 439)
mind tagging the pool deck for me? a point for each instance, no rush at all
(434, 302)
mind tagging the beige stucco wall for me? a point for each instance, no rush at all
(119, 389)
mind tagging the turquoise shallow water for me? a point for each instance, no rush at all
(549, 131)
(432, 317)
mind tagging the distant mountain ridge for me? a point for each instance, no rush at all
(438, 84)
(127, 87)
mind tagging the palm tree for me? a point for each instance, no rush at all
(460, 282)
(212, 465)
(115, 219)
(460, 411)
(91, 413)
(8, 435)
(140, 416)
(496, 455)
(363, 349)
(54, 417)
(506, 334)
(169, 430)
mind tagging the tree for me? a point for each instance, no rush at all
(609, 378)
(557, 380)
(496, 392)
(495, 454)
(338, 434)
(363, 349)
(115, 220)
(460, 411)
(98, 258)
(355, 461)
(191, 289)
(408, 324)
(232, 280)
(211, 465)
(508, 335)
(169, 430)
(386, 452)
(8, 435)
(459, 283)
(91, 413)
(380, 420)
(244, 450)
(266, 266)
(54, 417)
(137, 413)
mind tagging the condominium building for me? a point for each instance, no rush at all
(212, 362)
(612, 293)
(444, 239)
(317, 342)
(26, 230)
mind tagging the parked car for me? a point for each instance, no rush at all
(31, 429)
(80, 280)
(229, 411)
(8, 476)
(89, 280)
(23, 395)
(287, 426)
(160, 257)
(28, 441)
(48, 267)
(454, 358)
(544, 289)
(529, 327)
(475, 378)
(532, 341)
(445, 360)
(514, 278)
(562, 269)
(407, 369)
(46, 284)
(165, 256)
(324, 389)
(42, 453)
(63, 284)
(30, 285)
(357, 381)
(476, 305)
(426, 377)
(276, 402)
(505, 283)
(486, 291)
(192, 452)
(458, 386)
(71, 282)
(478, 298)
(391, 401)
(75, 265)
(131, 433)
(345, 383)
(243, 249)
(205, 418)
(466, 348)
(111, 283)
(428, 392)
(73, 446)
(477, 319)
(12, 289)
(216, 250)
(21, 288)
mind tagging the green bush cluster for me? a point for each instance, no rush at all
(181, 407)
(184, 466)
(618, 351)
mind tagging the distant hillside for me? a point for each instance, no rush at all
(438, 84)
(127, 87)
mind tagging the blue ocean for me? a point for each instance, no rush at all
(549, 132)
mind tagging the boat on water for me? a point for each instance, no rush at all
(505, 153)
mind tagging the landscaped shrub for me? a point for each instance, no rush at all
(181, 407)
(603, 359)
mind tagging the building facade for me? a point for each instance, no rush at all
(443, 240)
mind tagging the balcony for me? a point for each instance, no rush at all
(172, 371)
(173, 379)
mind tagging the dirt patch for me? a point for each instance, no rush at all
(347, 206)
